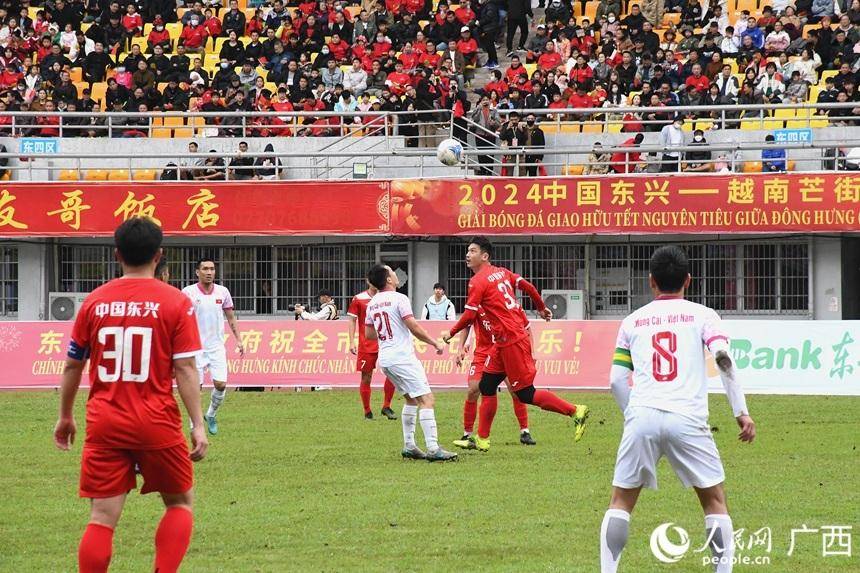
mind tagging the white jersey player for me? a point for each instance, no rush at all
(666, 411)
(212, 304)
(389, 320)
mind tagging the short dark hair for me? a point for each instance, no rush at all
(378, 276)
(138, 240)
(439, 285)
(325, 292)
(484, 244)
(669, 268)
(202, 260)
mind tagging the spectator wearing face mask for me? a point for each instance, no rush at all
(671, 137)
(194, 36)
(698, 161)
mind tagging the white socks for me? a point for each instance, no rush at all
(407, 418)
(719, 532)
(428, 425)
(613, 538)
(215, 401)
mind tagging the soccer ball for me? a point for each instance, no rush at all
(449, 152)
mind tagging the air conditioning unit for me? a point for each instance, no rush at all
(565, 304)
(65, 305)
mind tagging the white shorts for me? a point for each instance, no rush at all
(649, 434)
(409, 378)
(215, 361)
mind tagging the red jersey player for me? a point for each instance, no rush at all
(136, 331)
(492, 289)
(483, 342)
(366, 352)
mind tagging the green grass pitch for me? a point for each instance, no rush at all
(301, 482)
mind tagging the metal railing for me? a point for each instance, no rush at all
(296, 123)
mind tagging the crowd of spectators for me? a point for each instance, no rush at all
(409, 56)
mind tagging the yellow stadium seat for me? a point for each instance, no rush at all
(671, 19)
(785, 113)
(147, 28)
(826, 74)
(249, 13)
(118, 175)
(592, 127)
(752, 167)
(817, 121)
(180, 12)
(145, 175)
(771, 124)
(69, 175)
(574, 169)
(6, 176)
(550, 127)
(76, 75)
(751, 124)
(174, 29)
(210, 61)
(174, 121)
(95, 175)
(139, 41)
(614, 127)
(98, 91)
(161, 132)
(219, 43)
(571, 128)
(530, 69)
(751, 5)
(353, 10)
(33, 10)
(183, 132)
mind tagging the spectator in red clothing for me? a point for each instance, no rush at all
(468, 46)
(212, 24)
(398, 80)
(581, 72)
(49, 125)
(409, 58)
(338, 49)
(158, 36)
(513, 72)
(627, 161)
(496, 84)
(464, 13)
(431, 57)
(581, 100)
(582, 42)
(132, 21)
(550, 59)
(697, 84)
(194, 37)
(381, 46)
(10, 76)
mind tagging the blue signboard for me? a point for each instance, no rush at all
(793, 135)
(37, 145)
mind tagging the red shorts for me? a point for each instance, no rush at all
(366, 361)
(108, 472)
(516, 362)
(476, 369)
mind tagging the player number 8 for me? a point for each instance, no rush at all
(122, 353)
(663, 361)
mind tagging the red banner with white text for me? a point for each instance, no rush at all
(738, 203)
(660, 203)
(569, 354)
(196, 208)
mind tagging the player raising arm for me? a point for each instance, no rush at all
(492, 289)
(136, 331)
(389, 321)
(666, 411)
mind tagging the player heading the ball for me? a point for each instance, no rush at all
(492, 290)
(136, 331)
(390, 321)
(666, 411)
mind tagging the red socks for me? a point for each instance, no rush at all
(364, 392)
(546, 400)
(95, 549)
(486, 413)
(521, 411)
(470, 410)
(172, 539)
(388, 390)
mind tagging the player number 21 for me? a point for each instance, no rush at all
(120, 345)
(383, 325)
(663, 361)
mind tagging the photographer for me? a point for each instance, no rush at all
(327, 311)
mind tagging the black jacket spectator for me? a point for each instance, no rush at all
(178, 68)
(235, 54)
(233, 20)
(96, 65)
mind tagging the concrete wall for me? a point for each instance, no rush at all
(425, 256)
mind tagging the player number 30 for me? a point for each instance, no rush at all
(120, 346)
